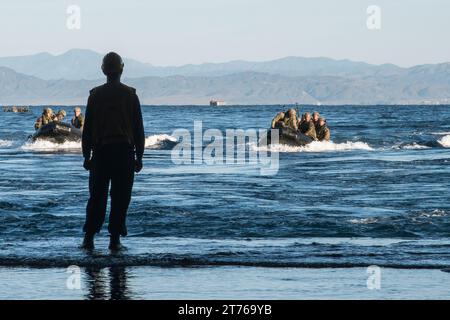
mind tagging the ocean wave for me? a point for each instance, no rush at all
(44, 145)
(160, 141)
(433, 214)
(363, 221)
(445, 141)
(412, 146)
(5, 143)
(443, 133)
(318, 146)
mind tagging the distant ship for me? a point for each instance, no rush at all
(217, 103)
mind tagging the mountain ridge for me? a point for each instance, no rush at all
(418, 86)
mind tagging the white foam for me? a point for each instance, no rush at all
(363, 221)
(444, 133)
(157, 139)
(5, 143)
(414, 146)
(318, 146)
(43, 145)
(445, 141)
(433, 214)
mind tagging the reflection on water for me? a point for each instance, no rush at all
(107, 283)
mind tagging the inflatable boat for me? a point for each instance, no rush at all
(289, 137)
(57, 132)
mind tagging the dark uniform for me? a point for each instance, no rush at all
(323, 133)
(308, 128)
(114, 133)
(77, 122)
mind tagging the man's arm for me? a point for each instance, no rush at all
(138, 130)
(87, 129)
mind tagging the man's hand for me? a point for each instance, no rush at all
(87, 164)
(137, 165)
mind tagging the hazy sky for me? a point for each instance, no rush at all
(175, 32)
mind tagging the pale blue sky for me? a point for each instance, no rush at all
(175, 32)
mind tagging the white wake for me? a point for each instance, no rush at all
(445, 141)
(158, 139)
(317, 146)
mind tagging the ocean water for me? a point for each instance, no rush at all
(376, 195)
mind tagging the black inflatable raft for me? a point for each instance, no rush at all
(289, 137)
(57, 132)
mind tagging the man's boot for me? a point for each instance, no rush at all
(114, 242)
(88, 242)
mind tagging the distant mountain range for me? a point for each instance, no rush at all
(66, 79)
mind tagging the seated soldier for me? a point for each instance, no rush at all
(307, 126)
(277, 122)
(78, 119)
(45, 118)
(315, 119)
(60, 116)
(291, 119)
(323, 132)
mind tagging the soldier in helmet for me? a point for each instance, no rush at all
(315, 119)
(113, 146)
(307, 126)
(277, 122)
(291, 119)
(78, 119)
(323, 132)
(60, 115)
(45, 118)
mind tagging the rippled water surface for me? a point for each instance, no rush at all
(377, 194)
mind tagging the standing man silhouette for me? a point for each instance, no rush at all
(113, 145)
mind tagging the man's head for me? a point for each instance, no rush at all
(322, 122)
(292, 112)
(316, 116)
(77, 111)
(307, 116)
(48, 112)
(61, 114)
(112, 65)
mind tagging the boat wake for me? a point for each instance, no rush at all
(157, 141)
(318, 146)
(48, 146)
(445, 141)
(160, 141)
(5, 143)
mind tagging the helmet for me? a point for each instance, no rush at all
(112, 64)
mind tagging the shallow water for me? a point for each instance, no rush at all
(220, 283)
(377, 194)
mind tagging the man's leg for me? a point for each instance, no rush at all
(98, 189)
(122, 179)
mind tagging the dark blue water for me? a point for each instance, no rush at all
(378, 194)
